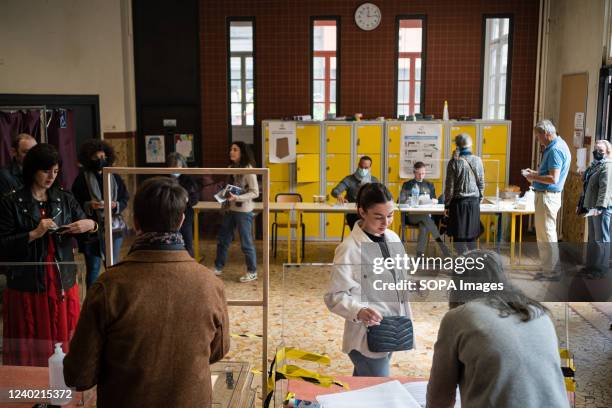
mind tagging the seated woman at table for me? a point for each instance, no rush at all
(41, 302)
(346, 295)
(499, 347)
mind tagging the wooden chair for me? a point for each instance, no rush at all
(281, 220)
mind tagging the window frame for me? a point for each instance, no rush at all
(243, 55)
(423, 78)
(484, 49)
(312, 55)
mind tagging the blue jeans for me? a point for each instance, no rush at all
(244, 222)
(369, 367)
(93, 259)
(598, 246)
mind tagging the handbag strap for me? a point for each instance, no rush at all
(472, 169)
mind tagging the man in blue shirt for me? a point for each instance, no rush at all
(548, 184)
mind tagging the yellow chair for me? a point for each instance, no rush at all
(281, 220)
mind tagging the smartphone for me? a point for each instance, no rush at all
(58, 229)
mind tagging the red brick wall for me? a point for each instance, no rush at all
(453, 62)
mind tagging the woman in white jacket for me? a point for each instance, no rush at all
(352, 292)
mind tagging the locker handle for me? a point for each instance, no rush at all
(297, 141)
(327, 224)
(328, 140)
(389, 170)
(327, 168)
(358, 141)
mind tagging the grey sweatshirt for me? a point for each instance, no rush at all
(461, 181)
(498, 362)
(244, 202)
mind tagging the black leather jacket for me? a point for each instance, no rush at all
(19, 214)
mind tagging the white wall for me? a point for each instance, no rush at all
(71, 47)
(576, 43)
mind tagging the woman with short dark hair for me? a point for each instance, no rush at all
(363, 307)
(37, 223)
(499, 347)
(88, 189)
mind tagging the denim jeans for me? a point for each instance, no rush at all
(93, 259)
(598, 246)
(369, 367)
(244, 222)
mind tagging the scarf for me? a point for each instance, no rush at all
(165, 241)
(94, 189)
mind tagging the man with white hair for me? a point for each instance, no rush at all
(548, 184)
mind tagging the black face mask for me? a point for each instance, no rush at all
(597, 155)
(98, 164)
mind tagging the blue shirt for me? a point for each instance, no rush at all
(556, 156)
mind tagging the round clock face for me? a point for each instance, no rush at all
(367, 16)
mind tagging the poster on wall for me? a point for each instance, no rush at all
(183, 144)
(282, 142)
(155, 149)
(421, 142)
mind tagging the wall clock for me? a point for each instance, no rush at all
(368, 16)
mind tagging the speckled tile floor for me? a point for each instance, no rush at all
(298, 318)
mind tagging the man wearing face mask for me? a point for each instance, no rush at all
(11, 177)
(87, 188)
(351, 185)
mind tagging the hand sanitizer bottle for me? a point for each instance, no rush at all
(56, 374)
(445, 113)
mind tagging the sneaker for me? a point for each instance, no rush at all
(248, 277)
(217, 272)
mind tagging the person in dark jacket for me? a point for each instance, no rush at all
(192, 187)
(11, 177)
(41, 302)
(94, 155)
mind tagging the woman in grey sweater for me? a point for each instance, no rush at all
(499, 347)
(597, 196)
(239, 214)
(463, 192)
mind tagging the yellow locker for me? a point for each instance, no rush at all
(337, 166)
(307, 138)
(490, 189)
(278, 171)
(311, 220)
(369, 139)
(395, 135)
(494, 165)
(469, 129)
(338, 138)
(495, 139)
(395, 189)
(333, 222)
(307, 168)
(393, 171)
(438, 187)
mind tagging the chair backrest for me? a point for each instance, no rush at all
(285, 198)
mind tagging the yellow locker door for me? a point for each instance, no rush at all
(337, 166)
(307, 168)
(369, 139)
(308, 138)
(494, 139)
(338, 138)
(311, 220)
(395, 189)
(491, 189)
(469, 129)
(393, 175)
(494, 165)
(394, 135)
(333, 222)
(438, 187)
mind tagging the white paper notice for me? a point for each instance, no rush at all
(282, 142)
(581, 158)
(578, 138)
(387, 395)
(418, 390)
(579, 121)
(421, 142)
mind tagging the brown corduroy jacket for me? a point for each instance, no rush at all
(149, 329)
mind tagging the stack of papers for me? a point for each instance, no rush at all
(223, 195)
(418, 390)
(387, 395)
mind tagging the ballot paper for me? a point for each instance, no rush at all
(418, 390)
(386, 395)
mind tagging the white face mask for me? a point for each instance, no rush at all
(177, 175)
(363, 172)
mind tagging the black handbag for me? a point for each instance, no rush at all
(394, 333)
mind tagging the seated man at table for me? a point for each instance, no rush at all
(351, 185)
(151, 325)
(424, 221)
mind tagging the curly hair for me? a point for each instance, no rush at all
(92, 146)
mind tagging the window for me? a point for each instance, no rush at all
(496, 73)
(324, 68)
(410, 95)
(241, 80)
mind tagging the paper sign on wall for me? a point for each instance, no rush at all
(155, 149)
(282, 142)
(183, 144)
(421, 142)
(579, 121)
